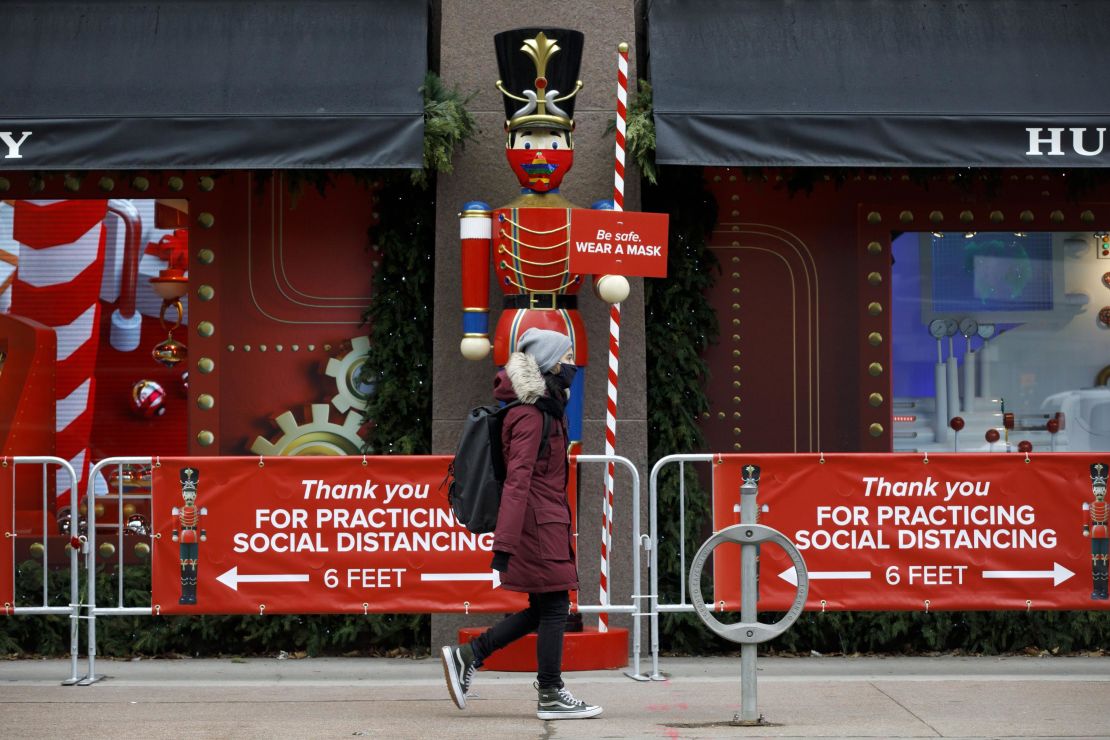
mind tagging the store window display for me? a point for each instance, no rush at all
(998, 340)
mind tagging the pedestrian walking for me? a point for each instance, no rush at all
(533, 542)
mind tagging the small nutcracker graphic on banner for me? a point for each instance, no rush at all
(1098, 531)
(188, 534)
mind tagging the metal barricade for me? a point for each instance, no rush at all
(121, 497)
(654, 606)
(77, 542)
(95, 610)
(635, 608)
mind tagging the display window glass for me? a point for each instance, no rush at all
(999, 341)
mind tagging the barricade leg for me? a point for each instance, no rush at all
(91, 675)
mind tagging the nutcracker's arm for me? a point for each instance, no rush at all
(475, 233)
(1086, 519)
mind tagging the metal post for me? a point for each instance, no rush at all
(749, 631)
(74, 585)
(749, 714)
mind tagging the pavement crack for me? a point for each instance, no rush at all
(908, 711)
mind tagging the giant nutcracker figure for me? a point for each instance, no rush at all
(1099, 532)
(190, 535)
(529, 238)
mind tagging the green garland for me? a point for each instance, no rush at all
(680, 325)
(398, 366)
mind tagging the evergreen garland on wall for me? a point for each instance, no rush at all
(398, 367)
(680, 325)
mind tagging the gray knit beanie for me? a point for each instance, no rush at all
(545, 345)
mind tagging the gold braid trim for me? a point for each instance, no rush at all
(507, 266)
(563, 243)
(526, 289)
(534, 231)
(502, 250)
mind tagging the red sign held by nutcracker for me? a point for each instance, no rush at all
(618, 243)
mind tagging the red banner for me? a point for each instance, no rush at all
(7, 547)
(906, 532)
(316, 535)
(618, 243)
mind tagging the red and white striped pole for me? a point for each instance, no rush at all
(614, 344)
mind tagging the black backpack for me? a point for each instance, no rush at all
(477, 473)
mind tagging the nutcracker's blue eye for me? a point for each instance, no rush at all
(527, 145)
(554, 145)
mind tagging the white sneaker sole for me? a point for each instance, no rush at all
(583, 714)
(451, 673)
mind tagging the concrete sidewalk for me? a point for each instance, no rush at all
(337, 697)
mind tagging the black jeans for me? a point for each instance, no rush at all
(547, 615)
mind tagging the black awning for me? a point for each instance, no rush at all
(118, 84)
(993, 83)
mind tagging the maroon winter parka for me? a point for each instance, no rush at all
(533, 523)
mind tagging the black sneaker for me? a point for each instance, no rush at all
(458, 668)
(561, 704)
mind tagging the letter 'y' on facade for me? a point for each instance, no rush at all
(12, 144)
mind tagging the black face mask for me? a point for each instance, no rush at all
(565, 376)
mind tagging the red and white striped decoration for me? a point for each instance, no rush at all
(61, 261)
(9, 257)
(614, 345)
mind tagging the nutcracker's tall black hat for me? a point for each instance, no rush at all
(539, 75)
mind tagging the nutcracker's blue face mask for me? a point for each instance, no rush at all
(540, 156)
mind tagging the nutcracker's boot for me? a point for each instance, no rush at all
(184, 585)
(191, 586)
(1102, 579)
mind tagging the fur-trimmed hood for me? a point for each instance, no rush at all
(521, 379)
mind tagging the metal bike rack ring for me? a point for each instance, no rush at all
(748, 632)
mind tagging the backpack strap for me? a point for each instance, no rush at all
(544, 444)
(546, 430)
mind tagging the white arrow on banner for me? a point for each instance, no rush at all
(232, 579)
(1058, 574)
(493, 577)
(790, 575)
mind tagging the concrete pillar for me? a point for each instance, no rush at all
(481, 173)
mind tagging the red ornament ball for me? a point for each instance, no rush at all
(1025, 446)
(992, 436)
(957, 423)
(148, 399)
(1052, 425)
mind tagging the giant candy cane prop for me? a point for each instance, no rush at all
(614, 346)
(61, 261)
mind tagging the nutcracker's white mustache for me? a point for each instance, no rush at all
(548, 101)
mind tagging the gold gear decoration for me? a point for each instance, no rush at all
(320, 436)
(345, 370)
